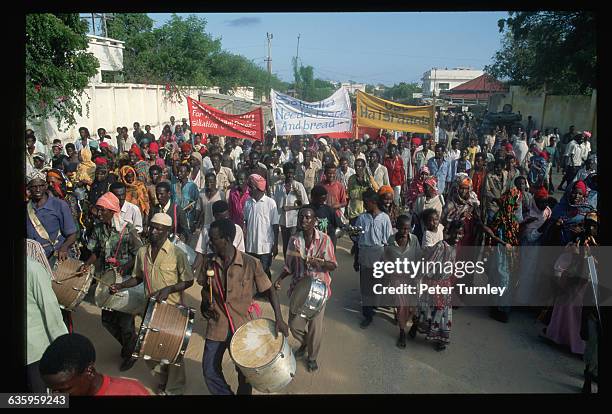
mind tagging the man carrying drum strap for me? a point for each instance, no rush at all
(165, 270)
(117, 243)
(235, 274)
(310, 253)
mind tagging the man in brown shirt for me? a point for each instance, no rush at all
(236, 273)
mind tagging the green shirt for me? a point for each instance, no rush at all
(44, 319)
(104, 241)
(355, 191)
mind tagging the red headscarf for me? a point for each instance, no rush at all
(186, 147)
(580, 185)
(416, 141)
(101, 161)
(540, 193)
(154, 147)
(104, 145)
(136, 150)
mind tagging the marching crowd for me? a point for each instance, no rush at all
(164, 210)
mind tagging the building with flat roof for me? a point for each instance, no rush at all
(437, 80)
(109, 53)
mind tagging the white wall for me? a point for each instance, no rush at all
(113, 105)
(454, 77)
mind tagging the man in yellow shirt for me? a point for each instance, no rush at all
(166, 272)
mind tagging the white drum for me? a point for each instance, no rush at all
(266, 361)
(132, 300)
(308, 298)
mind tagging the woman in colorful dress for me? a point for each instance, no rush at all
(135, 190)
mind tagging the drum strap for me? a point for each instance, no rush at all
(175, 224)
(119, 242)
(146, 272)
(229, 317)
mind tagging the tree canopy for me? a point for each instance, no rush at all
(58, 68)
(182, 53)
(401, 91)
(551, 50)
(307, 87)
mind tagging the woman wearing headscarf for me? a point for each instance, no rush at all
(154, 158)
(57, 182)
(388, 204)
(569, 213)
(86, 170)
(417, 187)
(136, 191)
(505, 226)
(430, 199)
(141, 167)
(197, 170)
(572, 278)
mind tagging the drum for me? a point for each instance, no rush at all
(164, 333)
(308, 298)
(191, 254)
(69, 286)
(266, 361)
(132, 300)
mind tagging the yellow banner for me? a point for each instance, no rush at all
(375, 112)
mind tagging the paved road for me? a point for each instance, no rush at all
(485, 356)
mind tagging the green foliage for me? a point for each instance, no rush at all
(401, 91)
(58, 68)
(555, 51)
(182, 53)
(307, 87)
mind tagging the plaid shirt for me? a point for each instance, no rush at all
(321, 248)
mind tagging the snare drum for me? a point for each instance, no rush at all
(266, 361)
(132, 300)
(69, 286)
(164, 333)
(308, 298)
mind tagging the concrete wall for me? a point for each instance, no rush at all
(109, 53)
(113, 105)
(551, 111)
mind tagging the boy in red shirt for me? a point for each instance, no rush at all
(67, 366)
(397, 174)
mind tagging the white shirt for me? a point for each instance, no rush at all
(259, 217)
(344, 177)
(203, 240)
(431, 238)
(207, 163)
(453, 154)
(575, 153)
(520, 150)
(131, 213)
(125, 145)
(282, 199)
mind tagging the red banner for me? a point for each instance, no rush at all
(205, 119)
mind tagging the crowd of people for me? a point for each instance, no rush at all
(137, 200)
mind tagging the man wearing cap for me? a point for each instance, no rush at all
(324, 148)
(49, 220)
(116, 242)
(166, 273)
(261, 223)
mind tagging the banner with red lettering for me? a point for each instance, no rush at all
(205, 119)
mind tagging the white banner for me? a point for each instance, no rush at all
(295, 117)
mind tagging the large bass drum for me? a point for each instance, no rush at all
(308, 298)
(164, 333)
(69, 285)
(132, 300)
(266, 360)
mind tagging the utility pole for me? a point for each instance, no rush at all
(269, 59)
(297, 52)
(93, 23)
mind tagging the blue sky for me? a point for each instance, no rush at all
(373, 48)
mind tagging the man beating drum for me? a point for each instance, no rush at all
(310, 254)
(234, 274)
(166, 272)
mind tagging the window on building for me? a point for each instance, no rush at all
(443, 86)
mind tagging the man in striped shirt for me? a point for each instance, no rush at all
(310, 254)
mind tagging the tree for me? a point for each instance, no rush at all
(307, 87)
(58, 68)
(182, 53)
(402, 91)
(555, 51)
